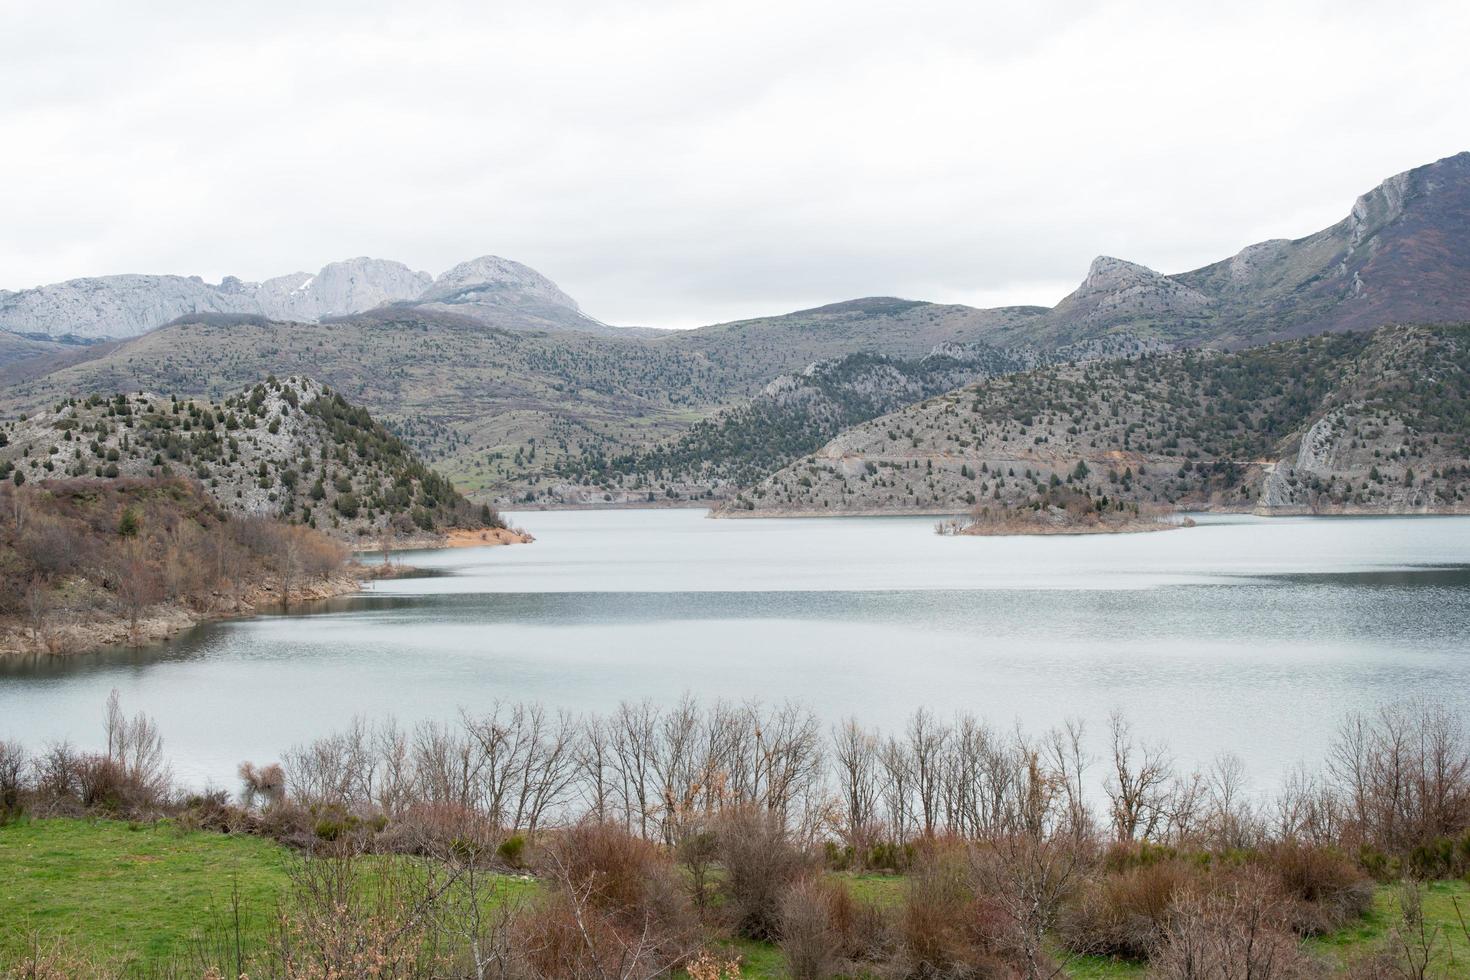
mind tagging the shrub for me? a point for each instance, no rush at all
(1125, 913)
(808, 936)
(12, 773)
(945, 928)
(761, 862)
(511, 849)
(613, 895)
(825, 931)
(1326, 890)
(1239, 930)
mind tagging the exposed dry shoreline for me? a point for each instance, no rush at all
(165, 621)
(458, 538)
(98, 631)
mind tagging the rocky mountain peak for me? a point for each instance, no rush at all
(1116, 290)
(496, 280)
(1108, 273)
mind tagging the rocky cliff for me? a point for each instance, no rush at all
(1402, 255)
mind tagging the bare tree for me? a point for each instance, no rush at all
(37, 601)
(855, 752)
(1138, 785)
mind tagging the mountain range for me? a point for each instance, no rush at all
(495, 290)
(496, 376)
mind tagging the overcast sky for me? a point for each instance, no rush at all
(679, 163)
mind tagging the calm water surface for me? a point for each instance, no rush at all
(1249, 635)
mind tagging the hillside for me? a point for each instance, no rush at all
(497, 410)
(288, 449)
(86, 563)
(1347, 423)
(795, 415)
(15, 348)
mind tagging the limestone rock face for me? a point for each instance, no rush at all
(340, 288)
(112, 306)
(492, 279)
(128, 305)
(1116, 291)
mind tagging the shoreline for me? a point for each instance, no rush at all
(458, 538)
(1249, 511)
(166, 621)
(1027, 529)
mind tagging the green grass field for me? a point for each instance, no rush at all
(145, 894)
(130, 892)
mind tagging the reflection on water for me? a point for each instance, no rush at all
(1241, 634)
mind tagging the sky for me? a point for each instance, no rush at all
(674, 164)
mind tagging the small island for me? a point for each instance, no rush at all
(1065, 511)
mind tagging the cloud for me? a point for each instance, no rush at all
(679, 163)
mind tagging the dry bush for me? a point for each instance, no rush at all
(1125, 913)
(1326, 889)
(55, 959)
(434, 828)
(824, 930)
(1235, 932)
(808, 936)
(946, 929)
(617, 909)
(603, 873)
(54, 547)
(562, 938)
(708, 966)
(339, 923)
(265, 785)
(1404, 774)
(761, 861)
(612, 866)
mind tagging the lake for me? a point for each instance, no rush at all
(1249, 635)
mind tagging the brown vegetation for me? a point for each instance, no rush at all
(80, 557)
(656, 832)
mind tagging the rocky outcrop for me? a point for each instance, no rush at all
(340, 288)
(1402, 255)
(492, 279)
(1116, 291)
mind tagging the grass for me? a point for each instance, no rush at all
(130, 892)
(141, 894)
(1443, 927)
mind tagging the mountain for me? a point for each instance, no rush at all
(289, 449)
(499, 410)
(794, 415)
(1340, 423)
(1402, 255)
(493, 290)
(504, 293)
(495, 374)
